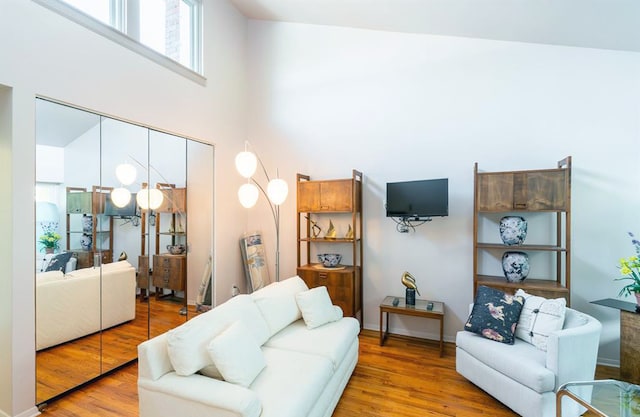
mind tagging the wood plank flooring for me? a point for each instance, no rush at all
(404, 378)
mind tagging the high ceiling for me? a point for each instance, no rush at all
(606, 24)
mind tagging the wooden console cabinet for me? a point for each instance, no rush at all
(170, 271)
(522, 193)
(341, 201)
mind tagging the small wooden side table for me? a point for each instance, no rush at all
(418, 310)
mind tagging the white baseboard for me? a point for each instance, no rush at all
(32, 412)
(609, 362)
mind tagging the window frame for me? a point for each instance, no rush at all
(119, 17)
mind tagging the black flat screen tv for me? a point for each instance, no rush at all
(129, 210)
(418, 199)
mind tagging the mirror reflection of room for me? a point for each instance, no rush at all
(112, 258)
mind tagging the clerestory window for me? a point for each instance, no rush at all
(169, 27)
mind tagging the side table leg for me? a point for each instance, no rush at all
(381, 335)
(441, 336)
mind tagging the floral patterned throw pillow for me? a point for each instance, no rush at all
(495, 315)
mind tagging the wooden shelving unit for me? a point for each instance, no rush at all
(320, 199)
(521, 192)
(91, 203)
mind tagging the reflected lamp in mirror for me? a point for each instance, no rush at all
(149, 198)
(126, 173)
(120, 196)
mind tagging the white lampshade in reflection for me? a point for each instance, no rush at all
(126, 174)
(246, 163)
(120, 196)
(149, 199)
(248, 195)
(277, 190)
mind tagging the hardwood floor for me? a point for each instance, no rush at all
(406, 377)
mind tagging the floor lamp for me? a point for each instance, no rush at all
(276, 192)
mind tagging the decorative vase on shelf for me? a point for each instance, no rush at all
(48, 250)
(513, 230)
(87, 223)
(515, 266)
(86, 241)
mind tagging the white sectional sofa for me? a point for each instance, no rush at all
(73, 305)
(282, 351)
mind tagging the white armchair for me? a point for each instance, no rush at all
(525, 378)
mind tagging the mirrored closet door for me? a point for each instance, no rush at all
(119, 255)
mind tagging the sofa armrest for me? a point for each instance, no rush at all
(226, 398)
(572, 352)
(153, 358)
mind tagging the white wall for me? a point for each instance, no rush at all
(324, 100)
(45, 54)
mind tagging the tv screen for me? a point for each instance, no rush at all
(129, 210)
(418, 199)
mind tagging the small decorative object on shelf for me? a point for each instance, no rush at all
(349, 234)
(315, 229)
(331, 233)
(515, 266)
(329, 260)
(410, 297)
(513, 230)
(176, 249)
(409, 281)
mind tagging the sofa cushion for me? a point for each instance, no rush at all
(316, 307)
(237, 355)
(291, 383)
(277, 302)
(495, 315)
(539, 317)
(521, 361)
(330, 341)
(187, 344)
(43, 277)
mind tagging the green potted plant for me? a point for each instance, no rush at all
(630, 271)
(50, 241)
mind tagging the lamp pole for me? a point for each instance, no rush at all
(276, 192)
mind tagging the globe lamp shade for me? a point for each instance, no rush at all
(248, 195)
(277, 190)
(149, 199)
(246, 163)
(120, 197)
(126, 174)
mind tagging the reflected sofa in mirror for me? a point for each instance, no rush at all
(111, 243)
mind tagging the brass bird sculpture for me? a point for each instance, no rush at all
(409, 281)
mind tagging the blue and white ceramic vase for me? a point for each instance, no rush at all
(86, 242)
(513, 230)
(87, 223)
(515, 266)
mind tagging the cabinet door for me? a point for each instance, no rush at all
(546, 190)
(336, 195)
(308, 196)
(340, 286)
(495, 191)
(79, 202)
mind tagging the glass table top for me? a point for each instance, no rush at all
(609, 397)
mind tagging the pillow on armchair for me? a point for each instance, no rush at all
(495, 315)
(57, 262)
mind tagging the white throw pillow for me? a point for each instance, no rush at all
(277, 302)
(237, 355)
(540, 316)
(317, 308)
